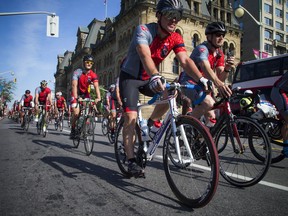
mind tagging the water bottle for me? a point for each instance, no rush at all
(144, 130)
(80, 121)
(154, 128)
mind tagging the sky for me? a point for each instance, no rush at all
(28, 52)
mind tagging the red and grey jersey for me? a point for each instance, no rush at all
(26, 101)
(282, 83)
(84, 78)
(43, 93)
(160, 48)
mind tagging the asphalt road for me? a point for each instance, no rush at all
(47, 176)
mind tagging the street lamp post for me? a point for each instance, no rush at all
(239, 12)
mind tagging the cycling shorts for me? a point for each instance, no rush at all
(280, 100)
(129, 91)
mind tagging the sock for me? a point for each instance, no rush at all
(150, 123)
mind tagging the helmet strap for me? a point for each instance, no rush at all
(210, 42)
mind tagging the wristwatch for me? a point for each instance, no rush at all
(228, 71)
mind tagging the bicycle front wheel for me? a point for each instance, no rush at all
(243, 168)
(26, 122)
(104, 126)
(192, 168)
(89, 134)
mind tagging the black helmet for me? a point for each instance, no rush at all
(215, 27)
(27, 92)
(169, 5)
(43, 83)
(88, 58)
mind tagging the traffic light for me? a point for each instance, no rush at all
(15, 80)
(52, 26)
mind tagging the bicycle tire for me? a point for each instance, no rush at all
(56, 124)
(244, 169)
(273, 129)
(120, 154)
(104, 126)
(26, 122)
(194, 183)
(89, 135)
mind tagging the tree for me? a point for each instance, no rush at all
(7, 89)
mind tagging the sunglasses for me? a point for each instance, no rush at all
(220, 34)
(89, 62)
(171, 15)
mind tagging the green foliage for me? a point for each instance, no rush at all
(102, 93)
(7, 90)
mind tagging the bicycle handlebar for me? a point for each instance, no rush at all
(172, 86)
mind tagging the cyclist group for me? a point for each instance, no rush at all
(150, 45)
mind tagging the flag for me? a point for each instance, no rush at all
(256, 53)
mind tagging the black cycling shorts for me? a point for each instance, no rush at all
(129, 88)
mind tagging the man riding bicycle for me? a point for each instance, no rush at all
(26, 101)
(210, 59)
(59, 105)
(81, 80)
(280, 99)
(150, 45)
(42, 97)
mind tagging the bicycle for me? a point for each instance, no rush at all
(84, 129)
(59, 121)
(26, 118)
(268, 117)
(190, 157)
(110, 130)
(42, 122)
(240, 140)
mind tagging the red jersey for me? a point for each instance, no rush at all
(26, 101)
(84, 80)
(43, 93)
(60, 102)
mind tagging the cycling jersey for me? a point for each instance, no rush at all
(60, 102)
(160, 48)
(201, 53)
(84, 78)
(43, 93)
(26, 101)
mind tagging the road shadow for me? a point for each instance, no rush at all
(110, 176)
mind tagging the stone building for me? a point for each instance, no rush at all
(108, 40)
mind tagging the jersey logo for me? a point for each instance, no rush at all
(202, 50)
(164, 51)
(144, 28)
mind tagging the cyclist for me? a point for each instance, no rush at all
(210, 59)
(246, 105)
(150, 45)
(81, 80)
(280, 98)
(111, 106)
(25, 101)
(59, 105)
(42, 97)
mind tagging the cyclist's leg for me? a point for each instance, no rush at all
(75, 115)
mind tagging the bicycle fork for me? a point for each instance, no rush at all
(233, 132)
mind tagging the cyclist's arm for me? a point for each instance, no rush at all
(74, 88)
(144, 53)
(210, 74)
(97, 91)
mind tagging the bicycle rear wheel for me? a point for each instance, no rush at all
(120, 154)
(243, 169)
(89, 135)
(193, 180)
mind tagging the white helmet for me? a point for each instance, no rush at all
(59, 93)
(248, 92)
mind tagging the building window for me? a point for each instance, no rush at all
(287, 16)
(279, 37)
(268, 21)
(215, 13)
(268, 8)
(175, 66)
(268, 34)
(196, 7)
(229, 18)
(268, 48)
(279, 25)
(279, 13)
(278, 1)
(222, 16)
(195, 40)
